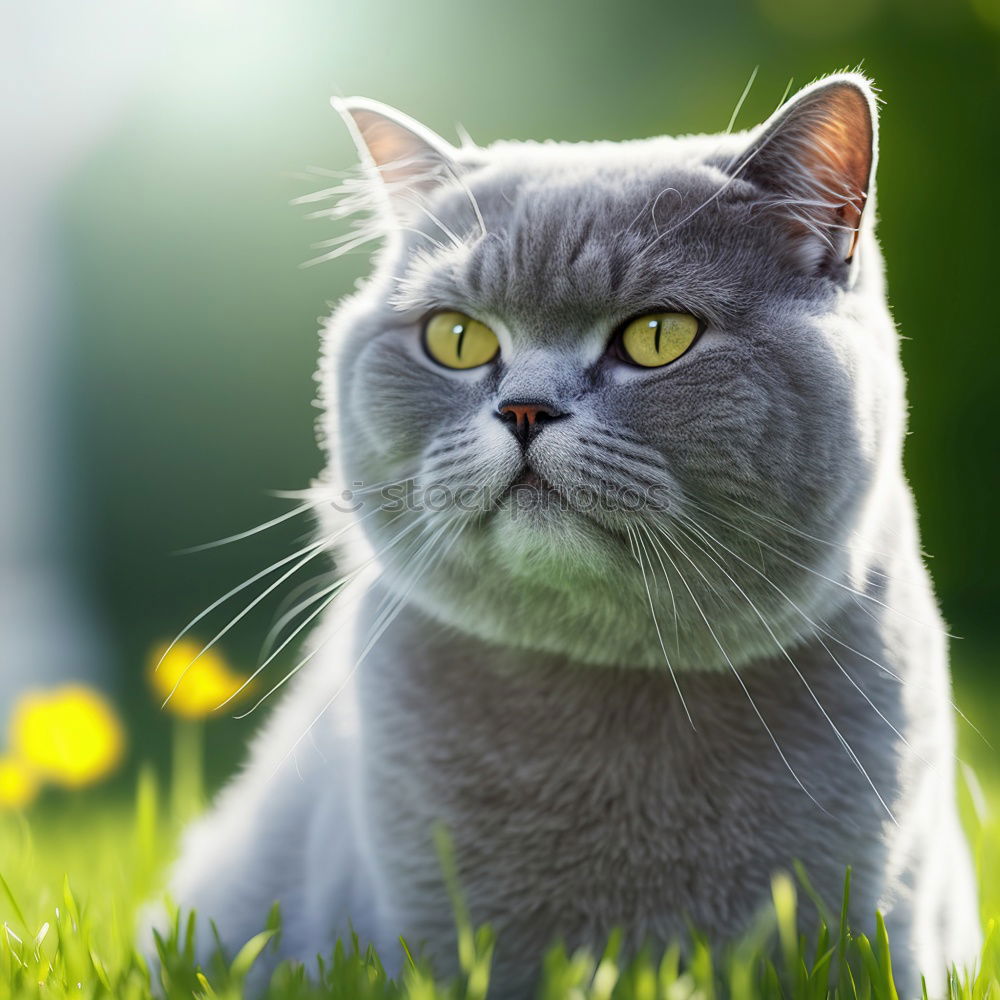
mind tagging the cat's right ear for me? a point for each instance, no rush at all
(408, 159)
(815, 159)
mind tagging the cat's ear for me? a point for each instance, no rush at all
(409, 159)
(815, 160)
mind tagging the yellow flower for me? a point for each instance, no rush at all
(193, 686)
(18, 784)
(69, 735)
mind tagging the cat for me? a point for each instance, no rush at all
(633, 604)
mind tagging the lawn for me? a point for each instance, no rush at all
(76, 867)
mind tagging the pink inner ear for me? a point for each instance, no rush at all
(814, 161)
(394, 149)
(837, 149)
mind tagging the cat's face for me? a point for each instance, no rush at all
(672, 395)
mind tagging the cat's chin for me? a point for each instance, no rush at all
(535, 528)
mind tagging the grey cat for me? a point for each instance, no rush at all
(650, 622)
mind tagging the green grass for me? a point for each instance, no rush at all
(74, 876)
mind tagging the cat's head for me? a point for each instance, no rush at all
(639, 392)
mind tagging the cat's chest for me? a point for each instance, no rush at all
(588, 795)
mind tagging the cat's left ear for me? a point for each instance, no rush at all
(409, 159)
(815, 160)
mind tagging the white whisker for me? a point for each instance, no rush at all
(231, 593)
(795, 562)
(418, 203)
(292, 607)
(798, 672)
(247, 534)
(314, 551)
(670, 589)
(472, 199)
(341, 583)
(307, 555)
(817, 628)
(736, 673)
(656, 624)
(381, 626)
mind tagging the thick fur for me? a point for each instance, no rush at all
(624, 716)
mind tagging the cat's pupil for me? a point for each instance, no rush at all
(656, 325)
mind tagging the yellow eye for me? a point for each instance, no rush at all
(657, 339)
(455, 340)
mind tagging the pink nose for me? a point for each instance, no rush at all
(525, 413)
(525, 419)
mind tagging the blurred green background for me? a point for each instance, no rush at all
(190, 329)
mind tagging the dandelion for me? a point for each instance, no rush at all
(192, 684)
(68, 735)
(18, 783)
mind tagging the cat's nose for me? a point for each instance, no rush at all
(525, 418)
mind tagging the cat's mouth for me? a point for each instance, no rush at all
(530, 491)
(530, 478)
(545, 501)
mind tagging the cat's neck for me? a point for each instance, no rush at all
(433, 669)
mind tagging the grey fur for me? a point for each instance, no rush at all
(503, 674)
